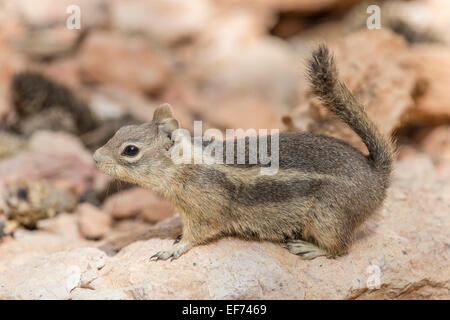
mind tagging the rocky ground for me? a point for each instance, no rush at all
(231, 64)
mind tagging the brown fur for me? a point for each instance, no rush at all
(323, 190)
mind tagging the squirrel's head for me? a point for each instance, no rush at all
(140, 153)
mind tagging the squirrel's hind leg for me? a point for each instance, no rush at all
(304, 250)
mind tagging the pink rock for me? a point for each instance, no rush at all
(138, 201)
(56, 157)
(92, 222)
(64, 71)
(156, 18)
(238, 76)
(64, 271)
(433, 105)
(437, 144)
(235, 58)
(45, 43)
(112, 102)
(127, 61)
(64, 225)
(303, 6)
(243, 113)
(430, 17)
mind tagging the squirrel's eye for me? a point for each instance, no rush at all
(130, 151)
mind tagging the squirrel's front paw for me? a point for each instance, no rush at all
(175, 252)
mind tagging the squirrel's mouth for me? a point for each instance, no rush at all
(115, 171)
(105, 167)
(104, 163)
(105, 170)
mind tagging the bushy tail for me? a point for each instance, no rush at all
(337, 98)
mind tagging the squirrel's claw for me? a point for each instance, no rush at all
(304, 250)
(161, 255)
(177, 239)
(175, 252)
(154, 257)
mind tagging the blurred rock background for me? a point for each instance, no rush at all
(231, 64)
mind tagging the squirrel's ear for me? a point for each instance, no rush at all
(163, 117)
(168, 126)
(163, 112)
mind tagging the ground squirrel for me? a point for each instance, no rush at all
(323, 190)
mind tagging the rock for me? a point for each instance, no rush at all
(113, 102)
(437, 144)
(385, 83)
(405, 151)
(234, 68)
(53, 235)
(233, 59)
(438, 16)
(51, 277)
(433, 106)
(155, 18)
(418, 180)
(57, 158)
(88, 294)
(427, 20)
(59, 143)
(138, 201)
(303, 6)
(126, 57)
(118, 107)
(30, 201)
(64, 225)
(26, 243)
(243, 113)
(64, 71)
(219, 271)
(400, 253)
(93, 223)
(49, 42)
